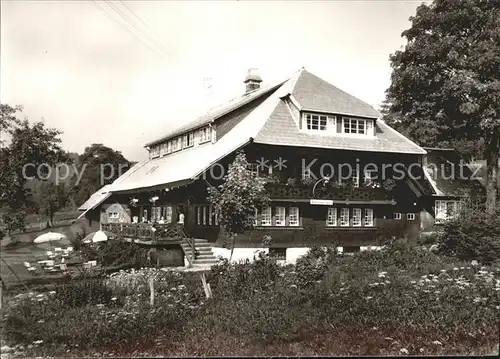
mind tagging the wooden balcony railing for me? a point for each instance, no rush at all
(283, 191)
(144, 231)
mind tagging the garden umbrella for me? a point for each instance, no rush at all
(49, 237)
(99, 236)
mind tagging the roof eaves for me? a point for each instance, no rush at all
(423, 152)
(197, 175)
(339, 148)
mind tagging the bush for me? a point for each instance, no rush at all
(474, 235)
(311, 267)
(399, 292)
(117, 253)
(79, 293)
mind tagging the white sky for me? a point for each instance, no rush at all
(67, 62)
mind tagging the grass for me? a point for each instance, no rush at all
(394, 302)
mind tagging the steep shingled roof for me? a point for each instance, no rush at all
(269, 122)
(281, 129)
(315, 94)
(447, 178)
(217, 112)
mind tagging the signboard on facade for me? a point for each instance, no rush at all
(322, 202)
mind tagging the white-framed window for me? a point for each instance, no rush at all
(356, 126)
(279, 216)
(163, 149)
(266, 217)
(277, 253)
(176, 144)
(254, 169)
(187, 140)
(315, 122)
(331, 217)
(397, 216)
(293, 216)
(410, 216)
(356, 217)
(198, 215)
(113, 215)
(204, 134)
(344, 217)
(156, 213)
(204, 215)
(155, 151)
(169, 146)
(446, 210)
(167, 214)
(355, 178)
(368, 218)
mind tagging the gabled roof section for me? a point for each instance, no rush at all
(281, 129)
(444, 173)
(98, 197)
(315, 94)
(187, 165)
(217, 112)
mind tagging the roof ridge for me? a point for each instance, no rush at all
(337, 90)
(212, 114)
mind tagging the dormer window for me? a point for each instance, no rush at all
(187, 140)
(356, 126)
(176, 144)
(155, 151)
(314, 122)
(204, 134)
(163, 149)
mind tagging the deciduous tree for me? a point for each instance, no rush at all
(446, 82)
(32, 150)
(237, 198)
(100, 165)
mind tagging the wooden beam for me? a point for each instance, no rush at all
(347, 202)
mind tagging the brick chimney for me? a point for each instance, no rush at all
(252, 81)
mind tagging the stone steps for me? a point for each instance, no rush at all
(205, 257)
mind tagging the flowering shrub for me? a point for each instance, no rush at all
(474, 234)
(392, 301)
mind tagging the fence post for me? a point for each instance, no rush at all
(152, 291)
